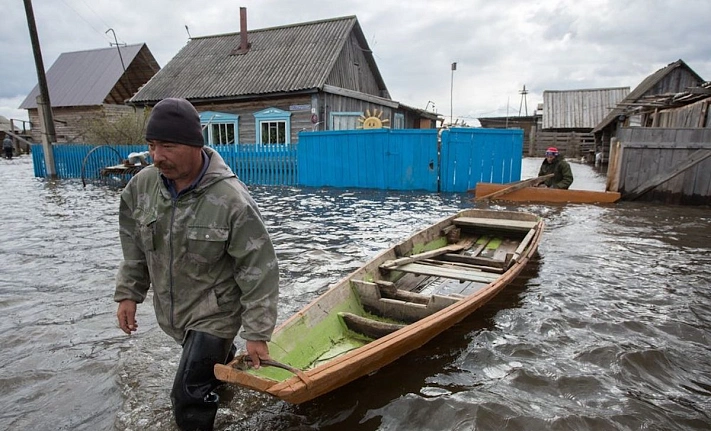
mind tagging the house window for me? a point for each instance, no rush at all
(272, 132)
(346, 120)
(219, 128)
(399, 121)
(273, 126)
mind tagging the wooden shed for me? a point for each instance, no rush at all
(569, 116)
(670, 165)
(93, 84)
(676, 77)
(267, 85)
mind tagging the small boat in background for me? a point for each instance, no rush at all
(400, 300)
(542, 194)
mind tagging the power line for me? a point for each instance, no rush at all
(86, 21)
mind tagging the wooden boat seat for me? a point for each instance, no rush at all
(369, 327)
(401, 305)
(463, 274)
(514, 225)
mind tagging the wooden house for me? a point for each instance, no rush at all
(568, 117)
(267, 85)
(667, 156)
(676, 77)
(93, 84)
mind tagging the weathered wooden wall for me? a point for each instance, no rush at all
(69, 121)
(300, 115)
(694, 115)
(644, 161)
(570, 144)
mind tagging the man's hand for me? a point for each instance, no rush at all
(257, 350)
(127, 316)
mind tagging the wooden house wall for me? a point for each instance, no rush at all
(352, 71)
(689, 116)
(69, 121)
(300, 116)
(646, 154)
(334, 103)
(676, 81)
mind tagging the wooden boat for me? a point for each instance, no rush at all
(401, 299)
(543, 194)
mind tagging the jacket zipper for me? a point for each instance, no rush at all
(170, 270)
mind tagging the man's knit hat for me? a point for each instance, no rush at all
(177, 121)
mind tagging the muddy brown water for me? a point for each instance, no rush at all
(608, 329)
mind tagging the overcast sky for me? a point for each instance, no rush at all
(499, 46)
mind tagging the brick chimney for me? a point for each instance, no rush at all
(244, 44)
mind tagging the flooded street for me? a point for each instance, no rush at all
(609, 329)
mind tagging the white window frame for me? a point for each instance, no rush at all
(208, 119)
(354, 115)
(272, 115)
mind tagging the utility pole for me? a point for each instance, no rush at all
(451, 96)
(44, 107)
(524, 100)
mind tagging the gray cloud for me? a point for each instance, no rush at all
(498, 46)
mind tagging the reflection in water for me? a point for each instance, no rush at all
(608, 329)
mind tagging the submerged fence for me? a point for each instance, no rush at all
(384, 159)
(253, 164)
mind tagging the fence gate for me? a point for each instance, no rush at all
(401, 159)
(472, 155)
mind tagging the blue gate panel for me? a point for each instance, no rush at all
(479, 155)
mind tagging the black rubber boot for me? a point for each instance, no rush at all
(194, 402)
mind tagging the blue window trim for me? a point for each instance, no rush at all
(212, 117)
(272, 114)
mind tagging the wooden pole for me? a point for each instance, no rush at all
(48, 133)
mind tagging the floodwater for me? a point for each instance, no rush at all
(608, 329)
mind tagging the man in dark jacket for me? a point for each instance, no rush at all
(556, 165)
(191, 232)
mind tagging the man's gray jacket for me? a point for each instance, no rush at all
(206, 254)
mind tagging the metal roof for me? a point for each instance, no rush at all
(282, 59)
(86, 78)
(579, 109)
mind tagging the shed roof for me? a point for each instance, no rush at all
(646, 85)
(579, 109)
(282, 59)
(87, 78)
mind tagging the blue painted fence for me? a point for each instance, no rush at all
(253, 164)
(382, 159)
(379, 159)
(470, 156)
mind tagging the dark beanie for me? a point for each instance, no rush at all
(175, 120)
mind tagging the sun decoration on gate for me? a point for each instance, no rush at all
(374, 121)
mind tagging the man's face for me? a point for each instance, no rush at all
(550, 157)
(175, 161)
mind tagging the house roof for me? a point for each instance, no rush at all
(88, 78)
(579, 109)
(645, 86)
(284, 59)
